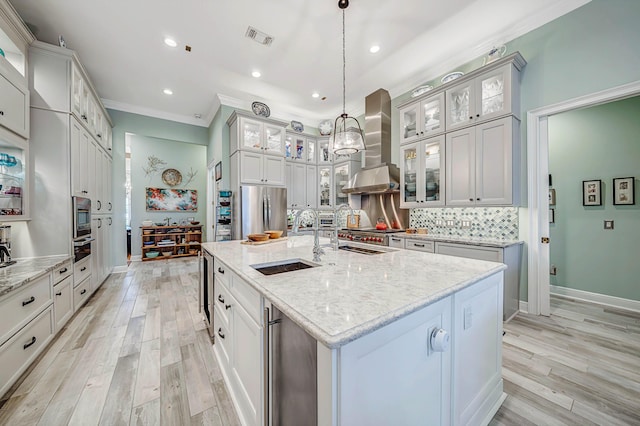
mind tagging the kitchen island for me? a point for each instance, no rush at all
(375, 319)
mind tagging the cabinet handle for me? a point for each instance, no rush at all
(83, 291)
(1, 112)
(110, 221)
(110, 203)
(62, 271)
(477, 199)
(227, 307)
(99, 135)
(84, 268)
(99, 204)
(85, 192)
(26, 345)
(84, 117)
(395, 239)
(59, 294)
(31, 300)
(220, 298)
(99, 223)
(418, 245)
(220, 333)
(220, 270)
(470, 199)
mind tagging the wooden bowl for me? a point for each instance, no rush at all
(258, 237)
(274, 234)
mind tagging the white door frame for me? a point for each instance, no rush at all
(538, 187)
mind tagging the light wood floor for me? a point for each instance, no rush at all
(138, 354)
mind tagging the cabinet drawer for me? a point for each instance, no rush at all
(62, 272)
(81, 270)
(472, 252)
(222, 273)
(81, 293)
(247, 297)
(24, 304)
(222, 301)
(21, 349)
(13, 107)
(420, 245)
(396, 242)
(63, 302)
(221, 340)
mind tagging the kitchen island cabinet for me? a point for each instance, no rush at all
(372, 322)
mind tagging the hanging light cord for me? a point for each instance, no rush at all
(344, 68)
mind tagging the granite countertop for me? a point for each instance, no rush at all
(350, 294)
(27, 270)
(461, 240)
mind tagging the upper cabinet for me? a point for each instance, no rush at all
(488, 96)
(299, 147)
(14, 102)
(421, 173)
(422, 119)
(325, 156)
(73, 91)
(249, 134)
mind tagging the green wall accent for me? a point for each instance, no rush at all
(184, 157)
(595, 143)
(141, 125)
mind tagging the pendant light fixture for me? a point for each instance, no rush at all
(347, 135)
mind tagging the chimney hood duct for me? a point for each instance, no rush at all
(378, 174)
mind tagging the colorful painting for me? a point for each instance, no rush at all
(173, 200)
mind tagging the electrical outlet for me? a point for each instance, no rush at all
(466, 224)
(553, 270)
(451, 223)
(439, 222)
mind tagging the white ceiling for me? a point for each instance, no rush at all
(120, 43)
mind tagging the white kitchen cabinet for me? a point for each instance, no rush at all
(325, 156)
(490, 95)
(482, 164)
(62, 302)
(419, 245)
(421, 173)
(79, 159)
(250, 134)
(21, 306)
(260, 169)
(14, 103)
(98, 228)
(396, 242)
(397, 363)
(509, 255)
(296, 185)
(81, 293)
(299, 147)
(77, 91)
(311, 182)
(325, 187)
(421, 119)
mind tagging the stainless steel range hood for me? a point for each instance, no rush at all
(378, 174)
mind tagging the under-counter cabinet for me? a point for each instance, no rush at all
(482, 164)
(422, 173)
(422, 119)
(62, 295)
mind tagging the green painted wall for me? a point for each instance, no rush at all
(595, 143)
(141, 125)
(185, 157)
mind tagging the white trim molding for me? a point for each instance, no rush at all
(601, 299)
(120, 269)
(538, 201)
(154, 113)
(524, 307)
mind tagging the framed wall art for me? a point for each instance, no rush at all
(592, 192)
(624, 191)
(172, 200)
(219, 171)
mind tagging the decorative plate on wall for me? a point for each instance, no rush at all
(325, 127)
(260, 109)
(172, 177)
(451, 76)
(421, 90)
(297, 126)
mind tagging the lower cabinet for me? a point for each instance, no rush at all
(81, 293)
(419, 245)
(63, 302)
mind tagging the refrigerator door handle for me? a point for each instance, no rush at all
(268, 213)
(264, 213)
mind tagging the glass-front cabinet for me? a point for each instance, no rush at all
(422, 119)
(262, 137)
(13, 199)
(340, 179)
(324, 153)
(300, 148)
(421, 174)
(325, 187)
(486, 97)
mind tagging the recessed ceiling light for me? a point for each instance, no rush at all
(315, 95)
(256, 74)
(374, 49)
(167, 92)
(170, 42)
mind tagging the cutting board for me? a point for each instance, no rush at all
(257, 243)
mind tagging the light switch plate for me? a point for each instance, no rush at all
(608, 224)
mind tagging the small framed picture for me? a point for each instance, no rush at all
(552, 215)
(624, 191)
(219, 171)
(552, 197)
(592, 192)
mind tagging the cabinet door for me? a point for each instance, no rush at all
(494, 162)
(84, 104)
(250, 135)
(251, 167)
(341, 175)
(273, 170)
(461, 167)
(325, 189)
(91, 168)
(494, 93)
(246, 364)
(62, 302)
(97, 232)
(98, 205)
(312, 186)
(288, 173)
(432, 178)
(460, 105)
(106, 182)
(14, 107)
(76, 91)
(298, 186)
(311, 150)
(79, 159)
(409, 174)
(289, 150)
(410, 123)
(273, 142)
(324, 155)
(432, 115)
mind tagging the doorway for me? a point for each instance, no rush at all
(538, 189)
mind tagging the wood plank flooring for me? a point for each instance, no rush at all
(138, 354)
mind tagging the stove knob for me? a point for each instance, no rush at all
(365, 239)
(379, 239)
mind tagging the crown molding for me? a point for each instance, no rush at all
(154, 113)
(17, 25)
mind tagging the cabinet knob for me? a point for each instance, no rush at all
(470, 199)
(1, 112)
(227, 306)
(478, 115)
(477, 199)
(471, 117)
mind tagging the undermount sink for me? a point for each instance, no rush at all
(289, 265)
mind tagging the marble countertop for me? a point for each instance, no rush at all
(27, 270)
(461, 240)
(350, 294)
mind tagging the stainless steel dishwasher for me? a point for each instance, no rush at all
(294, 366)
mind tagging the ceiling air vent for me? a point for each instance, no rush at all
(259, 36)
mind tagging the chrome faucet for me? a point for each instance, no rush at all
(5, 255)
(317, 251)
(334, 231)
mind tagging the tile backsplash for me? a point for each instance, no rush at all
(492, 223)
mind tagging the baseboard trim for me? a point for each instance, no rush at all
(137, 258)
(601, 299)
(524, 307)
(119, 269)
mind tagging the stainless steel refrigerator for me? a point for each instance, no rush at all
(258, 209)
